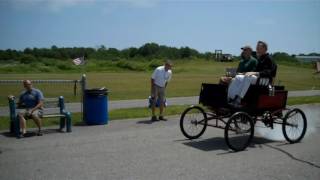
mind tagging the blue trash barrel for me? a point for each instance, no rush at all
(96, 106)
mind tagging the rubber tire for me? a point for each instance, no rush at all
(226, 136)
(304, 127)
(182, 120)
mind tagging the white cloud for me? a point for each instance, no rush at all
(111, 6)
(60, 4)
(142, 3)
(54, 5)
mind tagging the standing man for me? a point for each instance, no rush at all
(159, 81)
(32, 101)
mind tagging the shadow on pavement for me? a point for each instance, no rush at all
(218, 143)
(211, 144)
(258, 142)
(146, 122)
(7, 134)
(80, 124)
(33, 133)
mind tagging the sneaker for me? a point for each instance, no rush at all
(162, 118)
(39, 133)
(22, 135)
(154, 118)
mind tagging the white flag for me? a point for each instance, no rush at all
(78, 61)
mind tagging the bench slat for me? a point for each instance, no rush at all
(50, 102)
(53, 115)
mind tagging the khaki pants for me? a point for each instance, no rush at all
(158, 92)
(27, 113)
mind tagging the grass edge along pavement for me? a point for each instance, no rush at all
(132, 113)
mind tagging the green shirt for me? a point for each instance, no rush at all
(247, 65)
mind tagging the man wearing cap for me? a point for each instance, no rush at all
(247, 64)
(265, 71)
(159, 81)
(31, 100)
(266, 67)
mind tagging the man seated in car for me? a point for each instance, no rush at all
(247, 64)
(265, 71)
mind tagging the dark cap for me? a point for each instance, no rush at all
(246, 47)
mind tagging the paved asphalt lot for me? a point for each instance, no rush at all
(138, 149)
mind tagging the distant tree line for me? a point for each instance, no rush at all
(146, 51)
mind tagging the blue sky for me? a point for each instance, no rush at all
(287, 25)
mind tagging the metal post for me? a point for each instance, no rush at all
(61, 104)
(83, 88)
(12, 108)
(14, 120)
(68, 121)
(62, 119)
(75, 88)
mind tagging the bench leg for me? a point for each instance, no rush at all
(62, 123)
(16, 128)
(11, 127)
(68, 121)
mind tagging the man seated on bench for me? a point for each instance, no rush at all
(246, 64)
(31, 100)
(265, 71)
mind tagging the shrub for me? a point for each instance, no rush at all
(27, 59)
(49, 62)
(155, 63)
(133, 66)
(45, 69)
(64, 66)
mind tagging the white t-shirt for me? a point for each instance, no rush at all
(161, 76)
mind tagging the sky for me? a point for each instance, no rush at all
(291, 26)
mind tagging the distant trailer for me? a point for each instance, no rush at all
(227, 57)
(308, 58)
(222, 57)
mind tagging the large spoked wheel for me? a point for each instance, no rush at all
(193, 122)
(294, 125)
(239, 131)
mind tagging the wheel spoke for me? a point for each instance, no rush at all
(190, 122)
(239, 131)
(294, 125)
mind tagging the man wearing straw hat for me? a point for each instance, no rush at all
(159, 81)
(32, 101)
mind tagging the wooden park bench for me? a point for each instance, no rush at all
(65, 116)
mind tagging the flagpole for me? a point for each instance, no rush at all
(80, 61)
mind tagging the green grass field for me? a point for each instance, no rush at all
(186, 81)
